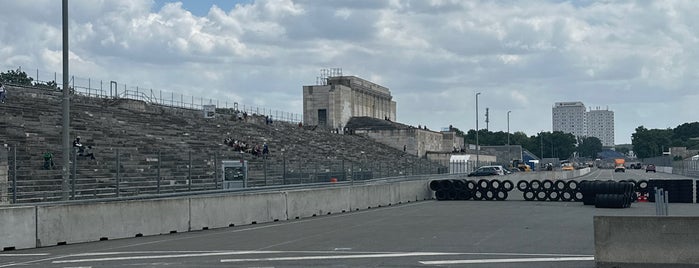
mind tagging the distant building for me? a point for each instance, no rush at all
(574, 118)
(600, 124)
(569, 117)
(343, 97)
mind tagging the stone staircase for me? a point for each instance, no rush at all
(147, 140)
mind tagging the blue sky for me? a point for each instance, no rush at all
(638, 58)
(201, 7)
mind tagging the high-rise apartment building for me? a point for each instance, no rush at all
(569, 117)
(600, 124)
(573, 117)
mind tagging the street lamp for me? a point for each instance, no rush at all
(477, 149)
(508, 128)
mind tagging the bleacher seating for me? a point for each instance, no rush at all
(138, 132)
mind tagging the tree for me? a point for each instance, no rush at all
(589, 147)
(650, 142)
(16, 77)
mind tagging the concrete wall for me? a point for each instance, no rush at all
(48, 225)
(17, 227)
(84, 222)
(232, 210)
(4, 185)
(417, 141)
(626, 241)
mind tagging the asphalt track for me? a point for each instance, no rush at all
(422, 234)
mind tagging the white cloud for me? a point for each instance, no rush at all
(523, 56)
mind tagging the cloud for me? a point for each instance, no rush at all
(636, 57)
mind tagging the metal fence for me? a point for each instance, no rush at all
(112, 89)
(125, 172)
(689, 168)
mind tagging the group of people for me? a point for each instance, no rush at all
(242, 147)
(80, 149)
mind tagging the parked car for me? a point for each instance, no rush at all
(650, 168)
(500, 169)
(567, 167)
(484, 171)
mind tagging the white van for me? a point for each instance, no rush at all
(500, 169)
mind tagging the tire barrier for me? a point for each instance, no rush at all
(483, 189)
(679, 191)
(550, 190)
(607, 194)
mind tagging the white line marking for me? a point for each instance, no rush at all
(508, 260)
(22, 255)
(358, 256)
(166, 256)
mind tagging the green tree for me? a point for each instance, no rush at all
(651, 142)
(589, 147)
(16, 77)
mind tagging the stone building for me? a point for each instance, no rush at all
(332, 105)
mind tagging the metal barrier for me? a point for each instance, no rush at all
(123, 172)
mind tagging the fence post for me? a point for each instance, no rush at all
(264, 168)
(283, 169)
(189, 173)
(75, 175)
(158, 179)
(344, 176)
(14, 175)
(117, 172)
(216, 170)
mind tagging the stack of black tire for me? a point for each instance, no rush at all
(460, 189)
(678, 191)
(607, 194)
(548, 190)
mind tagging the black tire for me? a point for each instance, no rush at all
(463, 195)
(507, 185)
(528, 195)
(445, 185)
(471, 186)
(642, 185)
(547, 185)
(572, 185)
(559, 185)
(483, 184)
(435, 185)
(453, 194)
(523, 185)
(489, 195)
(554, 196)
(535, 185)
(501, 195)
(567, 196)
(495, 185)
(577, 196)
(541, 195)
(478, 195)
(442, 195)
(458, 184)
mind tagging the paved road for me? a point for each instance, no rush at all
(636, 174)
(423, 234)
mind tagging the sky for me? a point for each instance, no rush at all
(637, 58)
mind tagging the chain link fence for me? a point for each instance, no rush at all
(123, 172)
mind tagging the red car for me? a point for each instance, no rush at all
(650, 168)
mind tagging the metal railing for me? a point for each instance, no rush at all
(111, 89)
(124, 172)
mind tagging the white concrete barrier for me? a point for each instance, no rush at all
(17, 227)
(74, 223)
(316, 202)
(238, 209)
(653, 241)
(411, 191)
(374, 195)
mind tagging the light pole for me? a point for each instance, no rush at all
(66, 105)
(477, 147)
(509, 151)
(508, 128)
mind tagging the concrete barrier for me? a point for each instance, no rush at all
(17, 227)
(312, 202)
(411, 191)
(649, 241)
(84, 222)
(239, 209)
(374, 195)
